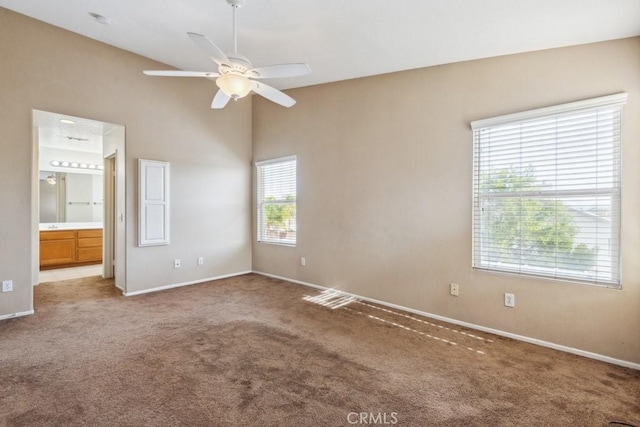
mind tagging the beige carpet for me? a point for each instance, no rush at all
(249, 351)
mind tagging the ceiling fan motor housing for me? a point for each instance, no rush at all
(240, 64)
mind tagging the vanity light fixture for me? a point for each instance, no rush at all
(67, 121)
(76, 165)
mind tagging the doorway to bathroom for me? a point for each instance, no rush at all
(80, 226)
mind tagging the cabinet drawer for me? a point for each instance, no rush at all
(89, 233)
(90, 254)
(90, 242)
(57, 235)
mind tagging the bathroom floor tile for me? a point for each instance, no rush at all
(69, 273)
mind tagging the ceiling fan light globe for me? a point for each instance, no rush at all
(234, 86)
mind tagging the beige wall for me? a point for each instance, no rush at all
(384, 187)
(46, 68)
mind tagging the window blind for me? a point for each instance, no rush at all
(276, 201)
(546, 192)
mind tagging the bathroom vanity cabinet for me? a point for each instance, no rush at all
(68, 248)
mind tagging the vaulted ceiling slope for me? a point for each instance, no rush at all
(341, 39)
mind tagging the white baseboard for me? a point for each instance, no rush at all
(18, 314)
(178, 285)
(523, 338)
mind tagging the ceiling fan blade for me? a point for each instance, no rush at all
(281, 70)
(220, 100)
(177, 73)
(273, 94)
(210, 48)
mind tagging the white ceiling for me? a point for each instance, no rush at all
(341, 39)
(82, 135)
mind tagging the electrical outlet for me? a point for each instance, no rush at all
(200, 260)
(509, 300)
(454, 289)
(176, 263)
(303, 261)
(7, 285)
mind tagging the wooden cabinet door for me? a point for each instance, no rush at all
(61, 251)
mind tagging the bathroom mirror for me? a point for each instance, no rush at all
(70, 197)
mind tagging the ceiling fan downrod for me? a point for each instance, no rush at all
(235, 4)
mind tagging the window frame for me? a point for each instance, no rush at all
(261, 234)
(480, 195)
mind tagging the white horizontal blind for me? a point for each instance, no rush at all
(277, 200)
(547, 192)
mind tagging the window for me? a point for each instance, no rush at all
(277, 201)
(546, 189)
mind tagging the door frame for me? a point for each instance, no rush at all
(109, 225)
(116, 139)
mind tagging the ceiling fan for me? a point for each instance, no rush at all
(235, 75)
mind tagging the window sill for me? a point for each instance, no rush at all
(271, 242)
(604, 285)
